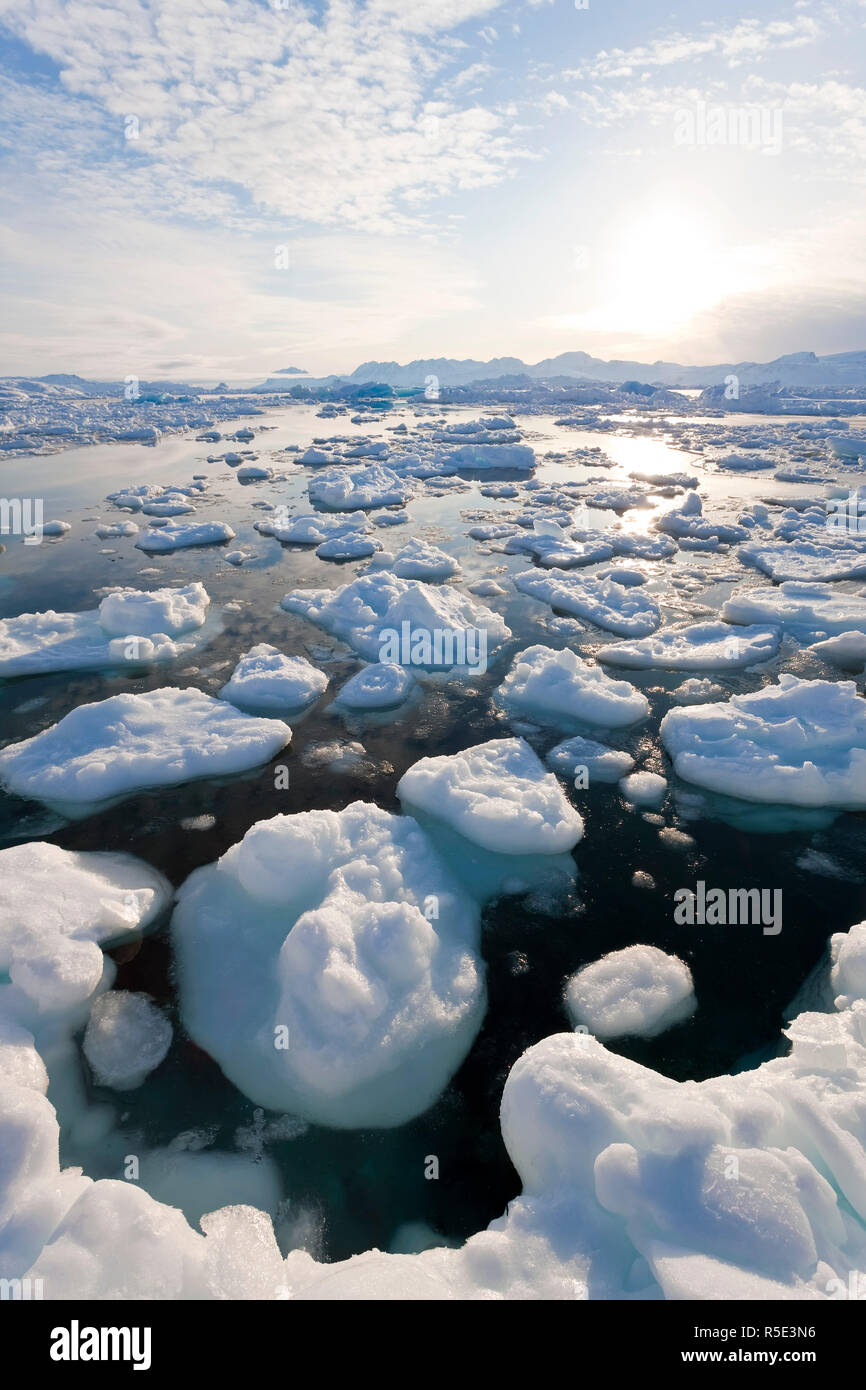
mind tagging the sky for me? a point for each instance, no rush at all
(207, 189)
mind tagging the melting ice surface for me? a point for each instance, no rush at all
(422, 968)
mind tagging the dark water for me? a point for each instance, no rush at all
(356, 1188)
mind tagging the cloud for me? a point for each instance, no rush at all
(749, 41)
(316, 118)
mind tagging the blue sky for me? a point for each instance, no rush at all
(207, 188)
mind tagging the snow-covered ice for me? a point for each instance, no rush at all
(600, 601)
(129, 742)
(58, 907)
(557, 686)
(267, 679)
(639, 991)
(795, 743)
(696, 647)
(126, 1038)
(498, 795)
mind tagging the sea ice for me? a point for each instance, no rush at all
(329, 963)
(179, 535)
(795, 743)
(602, 764)
(639, 991)
(557, 685)
(58, 907)
(378, 686)
(699, 647)
(431, 626)
(129, 742)
(803, 609)
(600, 601)
(498, 795)
(126, 1038)
(266, 679)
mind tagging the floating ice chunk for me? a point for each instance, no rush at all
(553, 548)
(379, 686)
(639, 991)
(356, 991)
(487, 588)
(476, 456)
(644, 788)
(267, 679)
(686, 523)
(179, 535)
(432, 627)
(797, 743)
(846, 446)
(249, 472)
(498, 795)
(602, 764)
(558, 685)
(20, 1063)
(802, 609)
(353, 545)
(699, 647)
(847, 650)
(601, 601)
(311, 529)
(699, 692)
(128, 742)
(117, 528)
(344, 490)
(126, 1038)
(55, 528)
(236, 557)
(58, 907)
(36, 643)
(137, 612)
(848, 965)
(420, 560)
(806, 562)
(168, 504)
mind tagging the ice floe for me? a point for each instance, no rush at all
(795, 743)
(266, 679)
(697, 647)
(639, 991)
(601, 601)
(557, 686)
(129, 742)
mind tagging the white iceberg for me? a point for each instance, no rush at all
(126, 1038)
(557, 686)
(58, 907)
(637, 992)
(600, 601)
(497, 795)
(266, 679)
(796, 743)
(404, 621)
(130, 742)
(697, 647)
